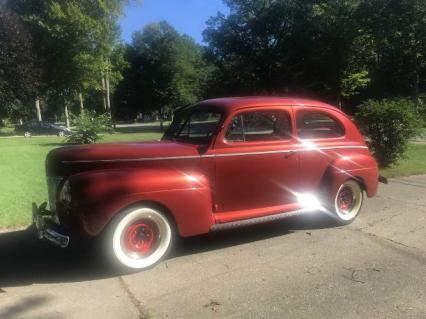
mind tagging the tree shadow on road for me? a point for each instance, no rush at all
(25, 305)
(24, 260)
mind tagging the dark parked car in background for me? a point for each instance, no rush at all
(41, 128)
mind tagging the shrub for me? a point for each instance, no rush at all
(388, 124)
(88, 125)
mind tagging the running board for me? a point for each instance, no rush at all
(258, 220)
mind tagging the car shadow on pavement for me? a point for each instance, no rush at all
(24, 260)
(252, 233)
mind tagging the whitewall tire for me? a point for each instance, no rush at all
(348, 201)
(140, 238)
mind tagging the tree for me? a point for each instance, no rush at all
(342, 49)
(74, 40)
(19, 77)
(250, 46)
(308, 47)
(166, 70)
(398, 31)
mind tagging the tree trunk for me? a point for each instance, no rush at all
(339, 101)
(80, 97)
(416, 89)
(37, 105)
(161, 119)
(112, 113)
(104, 92)
(67, 117)
(108, 100)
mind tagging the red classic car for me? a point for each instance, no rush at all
(222, 163)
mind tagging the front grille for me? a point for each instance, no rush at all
(52, 188)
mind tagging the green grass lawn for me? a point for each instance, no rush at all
(22, 177)
(414, 163)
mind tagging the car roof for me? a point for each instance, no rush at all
(234, 103)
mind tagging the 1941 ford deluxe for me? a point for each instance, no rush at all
(222, 163)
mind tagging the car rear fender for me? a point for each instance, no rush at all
(360, 167)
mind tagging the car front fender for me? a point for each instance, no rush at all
(98, 196)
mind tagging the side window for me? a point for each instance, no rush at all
(312, 124)
(33, 125)
(200, 125)
(259, 126)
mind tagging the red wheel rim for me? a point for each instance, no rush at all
(141, 237)
(345, 200)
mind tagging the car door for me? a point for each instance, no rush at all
(255, 166)
(33, 127)
(45, 128)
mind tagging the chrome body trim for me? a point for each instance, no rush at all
(212, 155)
(259, 220)
(285, 151)
(143, 159)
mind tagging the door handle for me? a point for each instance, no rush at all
(289, 154)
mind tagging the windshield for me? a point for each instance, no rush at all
(194, 126)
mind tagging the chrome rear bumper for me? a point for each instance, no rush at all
(46, 228)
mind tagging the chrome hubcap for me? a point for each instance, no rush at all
(141, 237)
(345, 199)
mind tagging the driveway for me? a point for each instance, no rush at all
(295, 268)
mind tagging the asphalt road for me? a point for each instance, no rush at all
(296, 268)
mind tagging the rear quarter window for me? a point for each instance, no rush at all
(254, 126)
(315, 125)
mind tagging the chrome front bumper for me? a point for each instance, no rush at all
(46, 228)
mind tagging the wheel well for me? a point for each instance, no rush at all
(361, 182)
(149, 204)
(327, 177)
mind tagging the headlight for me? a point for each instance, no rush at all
(65, 192)
(53, 183)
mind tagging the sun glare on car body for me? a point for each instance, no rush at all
(309, 202)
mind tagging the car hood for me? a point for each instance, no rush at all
(72, 159)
